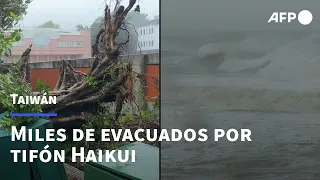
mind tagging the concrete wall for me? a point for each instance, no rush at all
(87, 62)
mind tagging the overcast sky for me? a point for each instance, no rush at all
(199, 16)
(69, 13)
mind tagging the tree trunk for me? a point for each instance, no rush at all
(80, 94)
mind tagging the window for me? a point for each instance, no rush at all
(141, 32)
(73, 44)
(152, 30)
(152, 43)
(79, 44)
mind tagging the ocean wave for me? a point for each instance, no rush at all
(279, 56)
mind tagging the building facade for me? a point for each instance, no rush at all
(52, 44)
(148, 39)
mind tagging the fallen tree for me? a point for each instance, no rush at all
(79, 94)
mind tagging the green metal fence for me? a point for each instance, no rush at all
(28, 171)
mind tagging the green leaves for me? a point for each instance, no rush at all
(11, 12)
(49, 24)
(6, 42)
(43, 87)
(15, 17)
(90, 81)
(7, 52)
(15, 36)
(10, 83)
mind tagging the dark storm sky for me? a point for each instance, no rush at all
(232, 15)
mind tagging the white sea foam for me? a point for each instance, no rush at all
(283, 57)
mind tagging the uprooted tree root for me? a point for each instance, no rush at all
(79, 94)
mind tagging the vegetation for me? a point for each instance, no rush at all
(9, 18)
(9, 7)
(146, 119)
(80, 95)
(80, 27)
(6, 41)
(133, 20)
(97, 99)
(12, 83)
(49, 24)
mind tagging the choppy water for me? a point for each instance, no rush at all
(283, 113)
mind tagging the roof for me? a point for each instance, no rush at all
(50, 32)
(42, 36)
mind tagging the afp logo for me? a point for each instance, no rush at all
(304, 17)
